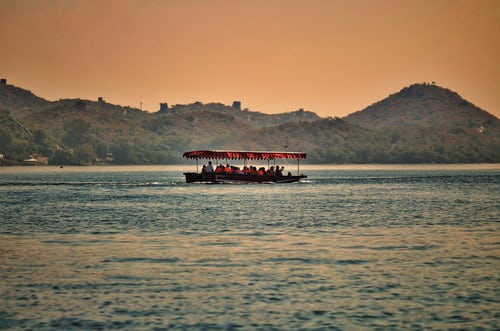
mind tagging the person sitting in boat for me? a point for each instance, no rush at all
(270, 171)
(219, 169)
(261, 171)
(237, 170)
(278, 171)
(208, 168)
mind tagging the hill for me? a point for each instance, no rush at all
(428, 123)
(421, 123)
(81, 131)
(254, 119)
(424, 105)
(17, 99)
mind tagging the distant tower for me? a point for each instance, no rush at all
(163, 107)
(100, 99)
(3, 81)
(236, 105)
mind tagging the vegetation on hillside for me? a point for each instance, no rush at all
(422, 123)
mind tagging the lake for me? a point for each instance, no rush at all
(372, 247)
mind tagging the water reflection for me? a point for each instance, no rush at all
(378, 278)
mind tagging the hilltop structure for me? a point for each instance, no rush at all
(236, 105)
(163, 107)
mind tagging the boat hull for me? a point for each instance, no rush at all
(193, 177)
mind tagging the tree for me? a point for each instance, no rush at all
(85, 154)
(124, 153)
(39, 137)
(76, 132)
(5, 140)
(61, 157)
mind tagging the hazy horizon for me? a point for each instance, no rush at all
(330, 57)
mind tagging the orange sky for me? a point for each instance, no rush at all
(333, 57)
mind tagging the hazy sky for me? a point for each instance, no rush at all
(333, 57)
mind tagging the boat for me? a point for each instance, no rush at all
(236, 175)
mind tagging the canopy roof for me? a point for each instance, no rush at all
(243, 155)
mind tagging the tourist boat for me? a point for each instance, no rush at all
(242, 176)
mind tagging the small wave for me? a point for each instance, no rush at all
(300, 260)
(141, 259)
(410, 248)
(353, 262)
(220, 243)
(69, 323)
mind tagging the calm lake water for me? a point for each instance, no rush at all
(350, 248)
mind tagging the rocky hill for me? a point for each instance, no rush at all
(424, 105)
(421, 123)
(431, 123)
(254, 119)
(19, 100)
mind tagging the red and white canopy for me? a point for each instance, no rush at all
(243, 155)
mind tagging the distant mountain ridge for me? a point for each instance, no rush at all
(425, 105)
(256, 119)
(421, 123)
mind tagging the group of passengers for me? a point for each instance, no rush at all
(251, 170)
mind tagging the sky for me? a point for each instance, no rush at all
(332, 57)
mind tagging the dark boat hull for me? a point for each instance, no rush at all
(192, 177)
